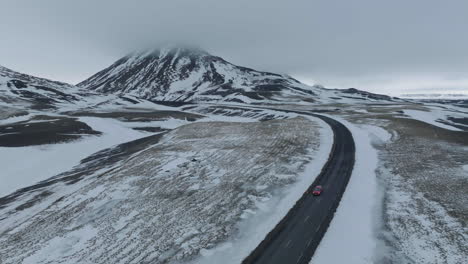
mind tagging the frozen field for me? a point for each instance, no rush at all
(420, 214)
(171, 200)
(425, 207)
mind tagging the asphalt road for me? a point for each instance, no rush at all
(296, 237)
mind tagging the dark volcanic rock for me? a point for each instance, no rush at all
(367, 94)
(43, 130)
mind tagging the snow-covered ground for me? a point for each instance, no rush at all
(465, 167)
(430, 117)
(14, 119)
(24, 166)
(423, 230)
(436, 115)
(355, 232)
(425, 203)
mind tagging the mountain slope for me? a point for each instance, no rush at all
(181, 74)
(42, 93)
(28, 92)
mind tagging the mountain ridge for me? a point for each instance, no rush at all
(41, 93)
(175, 75)
(27, 92)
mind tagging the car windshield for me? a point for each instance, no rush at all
(318, 188)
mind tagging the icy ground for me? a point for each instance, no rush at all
(176, 198)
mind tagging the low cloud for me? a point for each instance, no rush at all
(336, 43)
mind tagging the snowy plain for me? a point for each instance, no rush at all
(23, 166)
(20, 170)
(135, 186)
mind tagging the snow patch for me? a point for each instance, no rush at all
(430, 117)
(465, 167)
(59, 246)
(42, 162)
(377, 133)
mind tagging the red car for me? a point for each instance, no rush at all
(317, 190)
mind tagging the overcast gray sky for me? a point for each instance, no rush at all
(378, 45)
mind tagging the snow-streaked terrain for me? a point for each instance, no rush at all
(431, 117)
(421, 206)
(24, 166)
(425, 201)
(256, 224)
(205, 182)
(172, 199)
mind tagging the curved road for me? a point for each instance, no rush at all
(296, 237)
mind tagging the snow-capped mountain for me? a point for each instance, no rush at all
(185, 74)
(168, 74)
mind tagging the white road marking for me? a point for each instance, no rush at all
(299, 259)
(287, 244)
(319, 227)
(305, 220)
